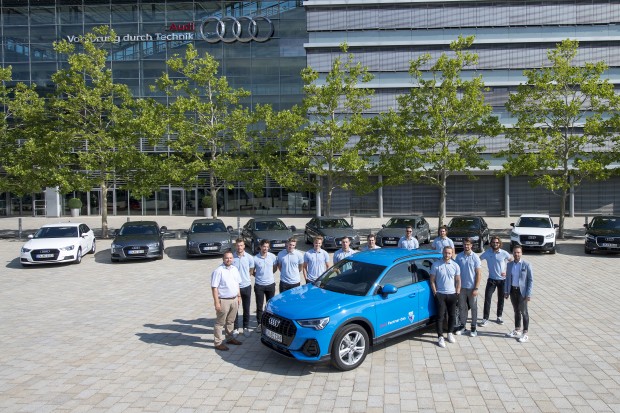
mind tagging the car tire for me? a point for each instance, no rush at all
(350, 347)
(160, 256)
(480, 247)
(114, 260)
(78, 258)
(587, 251)
(93, 249)
(428, 238)
(307, 238)
(552, 251)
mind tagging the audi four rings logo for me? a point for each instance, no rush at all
(230, 29)
(274, 322)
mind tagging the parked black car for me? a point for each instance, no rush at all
(138, 240)
(394, 229)
(332, 229)
(603, 234)
(474, 227)
(208, 236)
(272, 229)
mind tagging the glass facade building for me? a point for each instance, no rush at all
(383, 35)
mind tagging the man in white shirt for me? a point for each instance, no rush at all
(371, 244)
(408, 242)
(442, 240)
(226, 296)
(345, 251)
(290, 264)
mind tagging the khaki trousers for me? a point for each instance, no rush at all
(225, 319)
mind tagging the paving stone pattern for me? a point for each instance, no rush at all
(138, 337)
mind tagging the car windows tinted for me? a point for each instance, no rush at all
(533, 222)
(400, 223)
(205, 227)
(465, 223)
(399, 276)
(334, 223)
(138, 230)
(350, 277)
(605, 223)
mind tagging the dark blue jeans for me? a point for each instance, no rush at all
(246, 301)
(263, 292)
(286, 286)
(488, 295)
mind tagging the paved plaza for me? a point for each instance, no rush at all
(138, 337)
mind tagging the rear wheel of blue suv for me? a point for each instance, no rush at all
(361, 301)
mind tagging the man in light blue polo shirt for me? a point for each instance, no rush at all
(245, 264)
(471, 273)
(265, 265)
(345, 251)
(372, 243)
(408, 242)
(446, 286)
(316, 261)
(497, 259)
(442, 240)
(290, 264)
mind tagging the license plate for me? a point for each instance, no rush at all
(132, 252)
(44, 255)
(273, 335)
(278, 245)
(609, 245)
(209, 248)
(389, 242)
(531, 243)
(458, 243)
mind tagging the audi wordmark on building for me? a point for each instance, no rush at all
(226, 29)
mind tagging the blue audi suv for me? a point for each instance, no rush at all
(363, 300)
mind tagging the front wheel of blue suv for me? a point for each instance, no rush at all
(350, 347)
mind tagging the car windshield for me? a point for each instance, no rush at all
(534, 222)
(464, 223)
(334, 223)
(138, 230)
(400, 223)
(57, 232)
(350, 277)
(203, 227)
(269, 226)
(605, 223)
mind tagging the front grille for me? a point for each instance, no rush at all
(390, 241)
(527, 239)
(277, 244)
(37, 253)
(142, 248)
(210, 246)
(280, 325)
(608, 240)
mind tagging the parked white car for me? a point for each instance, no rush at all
(534, 231)
(57, 243)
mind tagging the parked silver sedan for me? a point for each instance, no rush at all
(208, 236)
(332, 229)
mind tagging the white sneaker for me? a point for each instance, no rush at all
(524, 338)
(246, 332)
(451, 338)
(483, 323)
(514, 334)
(473, 333)
(235, 333)
(441, 343)
(460, 332)
(258, 329)
(499, 320)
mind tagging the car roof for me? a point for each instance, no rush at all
(534, 216)
(407, 217)
(62, 224)
(267, 219)
(206, 220)
(140, 223)
(325, 218)
(388, 256)
(467, 217)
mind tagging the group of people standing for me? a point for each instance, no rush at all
(455, 281)
(231, 282)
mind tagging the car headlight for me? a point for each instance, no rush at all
(316, 323)
(153, 245)
(513, 234)
(24, 249)
(192, 244)
(116, 246)
(588, 237)
(549, 236)
(67, 248)
(476, 238)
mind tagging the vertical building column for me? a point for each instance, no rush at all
(380, 196)
(571, 196)
(506, 195)
(318, 198)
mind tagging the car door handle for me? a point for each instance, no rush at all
(412, 295)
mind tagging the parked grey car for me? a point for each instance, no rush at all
(272, 229)
(394, 229)
(332, 230)
(138, 240)
(208, 236)
(474, 227)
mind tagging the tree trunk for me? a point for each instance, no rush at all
(562, 213)
(330, 190)
(442, 199)
(104, 209)
(213, 192)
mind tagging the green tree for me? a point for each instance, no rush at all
(314, 139)
(100, 122)
(565, 115)
(208, 126)
(436, 128)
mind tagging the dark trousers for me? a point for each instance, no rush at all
(286, 286)
(263, 292)
(488, 295)
(467, 300)
(446, 302)
(519, 303)
(246, 301)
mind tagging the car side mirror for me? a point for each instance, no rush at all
(382, 225)
(163, 229)
(388, 289)
(115, 232)
(292, 228)
(230, 229)
(30, 236)
(186, 232)
(512, 224)
(556, 226)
